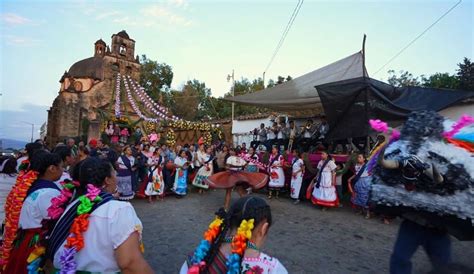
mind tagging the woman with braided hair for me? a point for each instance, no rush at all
(96, 233)
(27, 211)
(233, 242)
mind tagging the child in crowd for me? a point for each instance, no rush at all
(324, 192)
(155, 186)
(124, 134)
(361, 185)
(246, 224)
(277, 176)
(297, 172)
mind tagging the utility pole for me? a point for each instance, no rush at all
(32, 129)
(229, 76)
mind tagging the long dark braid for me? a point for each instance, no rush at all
(218, 242)
(246, 209)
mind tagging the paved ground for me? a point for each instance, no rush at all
(303, 238)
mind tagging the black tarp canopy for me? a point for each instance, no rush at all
(349, 104)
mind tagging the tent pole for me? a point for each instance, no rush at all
(363, 55)
(367, 145)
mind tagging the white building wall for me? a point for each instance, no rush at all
(455, 112)
(241, 129)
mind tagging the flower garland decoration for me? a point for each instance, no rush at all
(149, 103)
(117, 96)
(239, 244)
(464, 121)
(170, 137)
(203, 249)
(187, 125)
(134, 105)
(259, 164)
(55, 210)
(75, 240)
(13, 207)
(58, 204)
(219, 133)
(208, 138)
(150, 127)
(161, 112)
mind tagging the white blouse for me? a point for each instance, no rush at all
(110, 225)
(235, 162)
(121, 165)
(357, 168)
(35, 207)
(180, 161)
(201, 157)
(297, 166)
(264, 263)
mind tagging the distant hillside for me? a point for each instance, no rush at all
(9, 143)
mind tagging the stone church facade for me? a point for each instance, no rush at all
(87, 90)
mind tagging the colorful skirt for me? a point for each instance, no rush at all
(361, 189)
(24, 244)
(124, 188)
(325, 194)
(229, 179)
(201, 176)
(156, 185)
(180, 182)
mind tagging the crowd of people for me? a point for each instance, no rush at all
(153, 170)
(308, 138)
(77, 184)
(63, 209)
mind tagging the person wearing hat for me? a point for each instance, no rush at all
(93, 147)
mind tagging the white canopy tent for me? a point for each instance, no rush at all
(299, 93)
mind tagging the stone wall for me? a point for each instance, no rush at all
(70, 108)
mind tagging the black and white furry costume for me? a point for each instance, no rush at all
(423, 175)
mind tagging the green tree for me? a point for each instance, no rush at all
(465, 74)
(185, 103)
(405, 79)
(245, 86)
(154, 77)
(280, 80)
(205, 108)
(440, 80)
(271, 83)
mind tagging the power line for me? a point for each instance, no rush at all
(416, 38)
(285, 32)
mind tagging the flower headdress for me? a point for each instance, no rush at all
(198, 259)
(239, 245)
